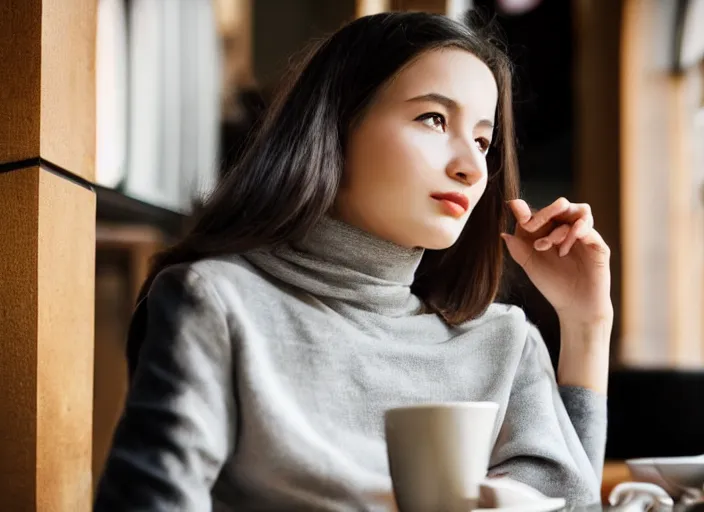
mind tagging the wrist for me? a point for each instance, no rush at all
(582, 332)
(588, 327)
(584, 353)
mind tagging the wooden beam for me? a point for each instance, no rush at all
(47, 254)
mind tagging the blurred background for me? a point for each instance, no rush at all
(609, 109)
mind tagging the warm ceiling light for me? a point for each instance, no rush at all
(516, 7)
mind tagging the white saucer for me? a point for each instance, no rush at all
(507, 495)
(546, 505)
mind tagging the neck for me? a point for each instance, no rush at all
(338, 261)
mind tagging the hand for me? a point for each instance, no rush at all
(565, 258)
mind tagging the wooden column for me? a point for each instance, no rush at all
(47, 254)
(597, 31)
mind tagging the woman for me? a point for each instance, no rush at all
(349, 265)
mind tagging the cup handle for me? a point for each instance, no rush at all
(641, 496)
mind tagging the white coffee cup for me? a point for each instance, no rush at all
(439, 454)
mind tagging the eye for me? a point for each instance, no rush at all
(483, 144)
(434, 120)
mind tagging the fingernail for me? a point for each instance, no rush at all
(542, 244)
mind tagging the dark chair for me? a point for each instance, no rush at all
(655, 413)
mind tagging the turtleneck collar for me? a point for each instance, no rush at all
(339, 261)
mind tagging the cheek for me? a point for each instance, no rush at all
(427, 153)
(480, 187)
(396, 156)
(477, 192)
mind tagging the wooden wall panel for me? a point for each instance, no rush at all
(20, 48)
(66, 284)
(68, 85)
(18, 331)
(47, 83)
(47, 254)
(46, 369)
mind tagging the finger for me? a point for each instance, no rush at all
(561, 211)
(578, 230)
(519, 249)
(542, 217)
(596, 243)
(556, 237)
(520, 210)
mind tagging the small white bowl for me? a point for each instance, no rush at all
(673, 474)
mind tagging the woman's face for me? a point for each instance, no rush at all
(415, 165)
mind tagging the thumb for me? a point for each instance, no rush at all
(519, 249)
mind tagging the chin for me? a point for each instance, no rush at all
(441, 234)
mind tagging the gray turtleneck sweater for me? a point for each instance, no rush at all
(262, 381)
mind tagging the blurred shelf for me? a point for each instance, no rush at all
(115, 207)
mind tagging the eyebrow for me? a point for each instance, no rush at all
(449, 104)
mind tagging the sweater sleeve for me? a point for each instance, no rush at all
(177, 428)
(539, 443)
(587, 410)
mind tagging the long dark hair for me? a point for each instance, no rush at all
(288, 178)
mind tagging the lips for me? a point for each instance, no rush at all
(456, 202)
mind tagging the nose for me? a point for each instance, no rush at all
(468, 167)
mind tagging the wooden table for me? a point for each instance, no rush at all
(615, 472)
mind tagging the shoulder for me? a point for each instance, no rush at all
(220, 282)
(525, 335)
(505, 318)
(232, 269)
(507, 325)
(500, 312)
(516, 341)
(187, 303)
